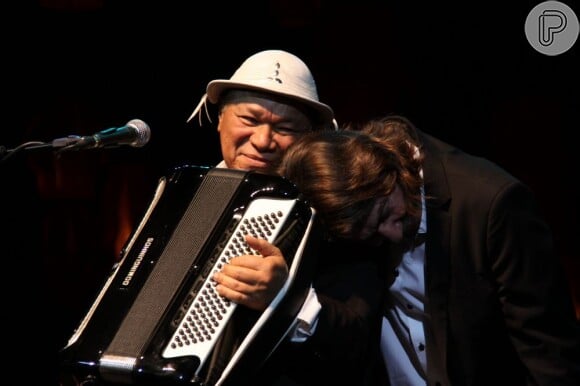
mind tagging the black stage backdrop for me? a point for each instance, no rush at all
(464, 73)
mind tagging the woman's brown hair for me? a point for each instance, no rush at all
(342, 172)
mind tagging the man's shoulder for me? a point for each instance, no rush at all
(467, 166)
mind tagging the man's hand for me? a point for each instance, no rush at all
(253, 280)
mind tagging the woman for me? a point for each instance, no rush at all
(474, 293)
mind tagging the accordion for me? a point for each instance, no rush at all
(158, 319)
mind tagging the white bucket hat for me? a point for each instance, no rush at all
(272, 71)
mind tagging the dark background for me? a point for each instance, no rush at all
(464, 73)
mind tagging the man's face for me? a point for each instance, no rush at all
(256, 131)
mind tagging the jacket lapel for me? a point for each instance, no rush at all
(437, 250)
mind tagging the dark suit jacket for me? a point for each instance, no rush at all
(500, 306)
(349, 287)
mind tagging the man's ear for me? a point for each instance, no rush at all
(219, 121)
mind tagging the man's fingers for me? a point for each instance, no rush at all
(238, 292)
(264, 247)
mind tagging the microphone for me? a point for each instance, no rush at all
(135, 133)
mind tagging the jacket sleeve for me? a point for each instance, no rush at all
(533, 290)
(349, 288)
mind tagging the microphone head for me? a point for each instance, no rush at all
(142, 130)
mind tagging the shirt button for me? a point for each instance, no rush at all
(421, 347)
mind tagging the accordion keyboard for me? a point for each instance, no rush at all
(207, 313)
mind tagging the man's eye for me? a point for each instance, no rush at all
(285, 131)
(248, 120)
(289, 131)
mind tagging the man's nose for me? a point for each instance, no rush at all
(263, 137)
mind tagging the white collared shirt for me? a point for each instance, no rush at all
(403, 330)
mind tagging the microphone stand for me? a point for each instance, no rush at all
(60, 144)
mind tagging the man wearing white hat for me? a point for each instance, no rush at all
(269, 102)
